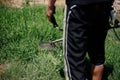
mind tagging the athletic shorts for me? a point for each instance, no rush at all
(85, 32)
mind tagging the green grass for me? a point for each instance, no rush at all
(21, 31)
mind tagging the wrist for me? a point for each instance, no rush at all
(51, 7)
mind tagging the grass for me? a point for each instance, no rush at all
(21, 31)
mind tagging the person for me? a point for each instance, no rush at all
(87, 24)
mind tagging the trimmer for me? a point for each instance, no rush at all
(51, 44)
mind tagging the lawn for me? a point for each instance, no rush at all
(21, 58)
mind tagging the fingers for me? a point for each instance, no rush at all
(49, 14)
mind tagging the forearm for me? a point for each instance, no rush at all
(51, 3)
(50, 9)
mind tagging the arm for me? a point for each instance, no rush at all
(50, 9)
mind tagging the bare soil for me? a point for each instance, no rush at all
(20, 3)
(2, 68)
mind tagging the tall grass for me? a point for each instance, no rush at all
(21, 31)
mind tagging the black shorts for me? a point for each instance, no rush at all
(86, 30)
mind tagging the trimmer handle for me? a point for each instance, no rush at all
(53, 20)
(55, 25)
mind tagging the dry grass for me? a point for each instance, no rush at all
(20, 3)
(13, 3)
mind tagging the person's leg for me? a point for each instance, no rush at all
(96, 41)
(97, 56)
(75, 44)
(97, 72)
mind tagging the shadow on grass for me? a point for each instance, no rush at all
(107, 71)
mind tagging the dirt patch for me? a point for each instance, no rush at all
(45, 2)
(60, 2)
(13, 3)
(3, 67)
(21, 3)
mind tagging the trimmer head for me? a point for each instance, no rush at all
(46, 46)
(49, 45)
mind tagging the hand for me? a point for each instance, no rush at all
(50, 11)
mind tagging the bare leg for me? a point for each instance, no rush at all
(97, 72)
